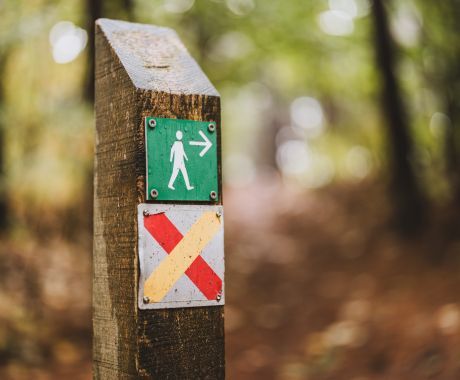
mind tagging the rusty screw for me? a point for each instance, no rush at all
(213, 195)
(154, 193)
(152, 123)
(146, 299)
(211, 127)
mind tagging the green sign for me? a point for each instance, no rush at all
(181, 160)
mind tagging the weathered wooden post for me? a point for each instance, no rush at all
(158, 225)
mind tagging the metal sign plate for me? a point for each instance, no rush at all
(181, 160)
(181, 256)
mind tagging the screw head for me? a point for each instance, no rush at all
(211, 127)
(152, 123)
(154, 193)
(213, 195)
(219, 297)
(146, 213)
(146, 299)
(219, 213)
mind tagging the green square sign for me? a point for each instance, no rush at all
(181, 160)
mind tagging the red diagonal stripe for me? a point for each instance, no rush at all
(168, 236)
(163, 231)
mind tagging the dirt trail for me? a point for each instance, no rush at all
(317, 287)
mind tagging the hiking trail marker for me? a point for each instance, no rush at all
(181, 256)
(181, 160)
(158, 259)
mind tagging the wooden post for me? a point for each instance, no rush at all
(142, 71)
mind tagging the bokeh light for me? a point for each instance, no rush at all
(358, 161)
(293, 157)
(230, 46)
(307, 113)
(348, 6)
(67, 41)
(406, 26)
(178, 6)
(439, 122)
(336, 23)
(240, 7)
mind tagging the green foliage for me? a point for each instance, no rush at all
(261, 56)
(262, 60)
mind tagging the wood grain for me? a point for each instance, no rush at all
(142, 71)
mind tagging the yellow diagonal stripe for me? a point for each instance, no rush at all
(181, 257)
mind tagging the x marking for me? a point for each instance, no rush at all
(183, 256)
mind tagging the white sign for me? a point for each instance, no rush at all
(181, 256)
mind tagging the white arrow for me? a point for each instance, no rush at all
(206, 143)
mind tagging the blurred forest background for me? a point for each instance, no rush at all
(341, 143)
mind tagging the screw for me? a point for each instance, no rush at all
(154, 193)
(211, 127)
(146, 299)
(152, 123)
(146, 213)
(213, 195)
(219, 297)
(219, 213)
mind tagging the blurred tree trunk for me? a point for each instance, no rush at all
(128, 6)
(122, 9)
(3, 192)
(405, 191)
(449, 88)
(273, 119)
(452, 133)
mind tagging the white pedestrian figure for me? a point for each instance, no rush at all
(178, 154)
